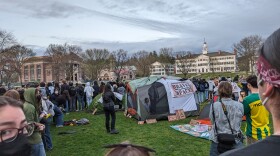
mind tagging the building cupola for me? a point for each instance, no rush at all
(204, 47)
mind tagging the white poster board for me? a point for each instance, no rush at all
(186, 102)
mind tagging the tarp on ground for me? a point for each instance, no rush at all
(191, 130)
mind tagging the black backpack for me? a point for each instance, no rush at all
(72, 91)
(106, 97)
(81, 91)
(201, 87)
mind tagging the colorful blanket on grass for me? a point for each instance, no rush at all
(189, 129)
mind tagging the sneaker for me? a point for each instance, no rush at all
(59, 126)
(114, 131)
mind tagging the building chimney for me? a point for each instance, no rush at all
(220, 52)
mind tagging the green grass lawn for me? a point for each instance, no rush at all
(89, 139)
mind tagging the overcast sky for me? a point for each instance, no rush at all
(136, 25)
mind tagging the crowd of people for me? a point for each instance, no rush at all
(26, 114)
(48, 103)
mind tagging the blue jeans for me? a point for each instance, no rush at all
(196, 97)
(214, 146)
(81, 101)
(67, 106)
(89, 100)
(206, 94)
(38, 150)
(73, 103)
(200, 97)
(58, 116)
(47, 135)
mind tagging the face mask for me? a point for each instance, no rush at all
(19, 146)
(265, 99)
(56, 92)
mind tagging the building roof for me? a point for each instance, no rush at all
(221, 53)
(210, 54)
(191, 56)
(38, 58)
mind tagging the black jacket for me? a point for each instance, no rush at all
(108, 99)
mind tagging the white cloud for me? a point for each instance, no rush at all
(136, 25)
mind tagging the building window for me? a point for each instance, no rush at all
(32, 76)
(39, 72)
(25, 72)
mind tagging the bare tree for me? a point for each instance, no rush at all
(142, 60)
(57, 53)
(72, 56)
(6, 39)
(119, 59)
(94, 61)
(248, 48)
(184, 62)
(63, 57)
(166, 58)
(15, 57)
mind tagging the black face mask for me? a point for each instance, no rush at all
(19, 146)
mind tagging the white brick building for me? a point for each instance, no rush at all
(158, 68)
(206, 62)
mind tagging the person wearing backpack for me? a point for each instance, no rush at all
(96, 89)
(201, 90)
(72, 93)
(206, 86)
(80, 97)
(109, 109)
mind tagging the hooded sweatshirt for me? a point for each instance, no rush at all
(30, 108)
(88, 90)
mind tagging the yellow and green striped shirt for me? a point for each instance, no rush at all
(257, 117)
